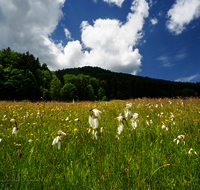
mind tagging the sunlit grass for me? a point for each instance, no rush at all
(144, 158)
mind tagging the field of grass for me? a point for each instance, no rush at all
(155, 155)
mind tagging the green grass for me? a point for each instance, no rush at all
(147, 159)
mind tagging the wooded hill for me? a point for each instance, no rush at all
(23, 77)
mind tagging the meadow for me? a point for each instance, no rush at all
(153, 151)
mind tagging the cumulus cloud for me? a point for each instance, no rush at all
(117, 2)
(181, 14)
(110, 44)
(26, 25)
(187, 79)
(154, 21)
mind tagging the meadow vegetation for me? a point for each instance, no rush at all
(153, 151)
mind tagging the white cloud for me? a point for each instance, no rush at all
(187, 79)
(26, 26)
(181, 14)
(165, 60)
(154, 21)
(67, 34)
(110, 44)
(117, 2)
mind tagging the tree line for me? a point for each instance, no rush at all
(23, 77)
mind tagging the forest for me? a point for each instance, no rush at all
(23, 77)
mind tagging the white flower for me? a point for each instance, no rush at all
(163, 127)
(93, 121)
(134, 124)
(120, 129)
(101, 130)
(191, 151)
(94, 133)
(76, 119)
(96, 113)
(120, 117)
(61, 133)
(67, 119)
(57, 140)
(4, 118)
(29, 141)
(134, 116)
(15, 130)
(0, 140)
(181, 137)
(128, 105)
(127, 112)
(13, 120)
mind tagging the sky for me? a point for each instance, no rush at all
(150, 38)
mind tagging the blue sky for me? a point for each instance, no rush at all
(154, 38)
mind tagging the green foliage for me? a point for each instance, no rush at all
(90, 93)
(55, 88)
(69, 92)
(101, 93)
(104, 98)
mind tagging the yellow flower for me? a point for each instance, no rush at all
(31, 133)
(75, 129)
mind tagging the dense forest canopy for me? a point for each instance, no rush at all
(22, 77)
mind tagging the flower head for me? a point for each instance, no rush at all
(96, 113)
(57, 140)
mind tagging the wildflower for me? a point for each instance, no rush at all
(101, 130)
(57, 140)
(191, 151)
(93, 121)
(37, 103)
(134, 124)
(120, 117)
(4, 118)
(29, 141)
(15, 130)
(120, 129)
(75, 129)
(128, 105)
(13, 120)
(61, 133)
(96, 113)
(67, 119)
(127, 112)
(76, 119)
(94, 133)
(181, 137)
(0, 140)
(163, 127)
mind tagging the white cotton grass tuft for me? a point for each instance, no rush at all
(94, 133)
(57, 140)
(120, 117)
(191, 152)
(180, 138)
(120, 129)
(61, 133)
(93, 121)
(4, 118)
(96, 112)
(29, 141)
(13, 120)
(15, 130)
(164, 127)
